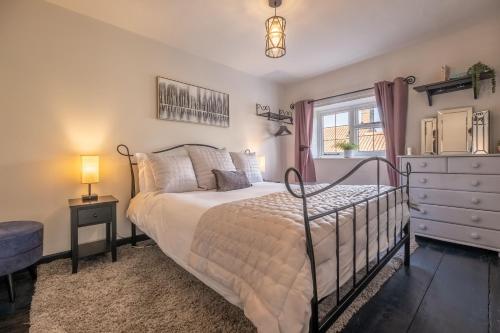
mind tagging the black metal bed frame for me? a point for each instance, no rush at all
(317, 324)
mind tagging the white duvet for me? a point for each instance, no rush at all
(227, 253)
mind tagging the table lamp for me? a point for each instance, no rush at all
(90, 174)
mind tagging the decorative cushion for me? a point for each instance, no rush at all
(230, 180)
(173, 173)
(21, 245)
(145, 173)
(248, 162)
(206, 159)
(146, 178)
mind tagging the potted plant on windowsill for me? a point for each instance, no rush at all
(347, 147)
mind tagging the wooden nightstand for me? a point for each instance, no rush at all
(87, 213)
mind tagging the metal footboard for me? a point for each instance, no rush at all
(318, 324)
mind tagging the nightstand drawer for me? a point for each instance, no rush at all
(94, 215)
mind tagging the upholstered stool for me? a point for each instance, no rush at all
(21, 245)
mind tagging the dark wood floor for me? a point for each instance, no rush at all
(448, 288)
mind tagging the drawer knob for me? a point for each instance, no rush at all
(422, 226)
(422, 195)
(423, 180)
(476, 165)
(423, 211)
(475, 183)
(95, 215)
(423, 164)
(475, 218)
(474, 235)
(475, 201)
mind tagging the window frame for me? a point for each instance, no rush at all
(353, 111)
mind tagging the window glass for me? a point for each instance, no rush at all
(356, 121)
(335, 130)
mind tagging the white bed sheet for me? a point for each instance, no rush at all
(170, 219)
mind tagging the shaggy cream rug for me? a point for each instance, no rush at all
(145, 291)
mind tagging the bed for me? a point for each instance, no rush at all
(272, 249)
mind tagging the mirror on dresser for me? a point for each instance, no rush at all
(456, 131)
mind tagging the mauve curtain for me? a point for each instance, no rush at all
(303, 136)
(392, 103)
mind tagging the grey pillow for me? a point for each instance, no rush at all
(230, 180)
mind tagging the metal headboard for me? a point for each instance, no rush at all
(125, 151)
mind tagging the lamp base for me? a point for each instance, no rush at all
(90, 197)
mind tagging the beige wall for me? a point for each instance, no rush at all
(72, 85)
(459, 49)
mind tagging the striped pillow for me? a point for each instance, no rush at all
(206, 159)
(173, 174)
(248, 163)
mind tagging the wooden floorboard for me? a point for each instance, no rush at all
(494, 311)
(393, 308)
(457, 299)
(14, 318)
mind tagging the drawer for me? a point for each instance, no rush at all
(94, 215)
(474, 200)
(463, 216)
(425, 164)
(462, 234)
(468, 182)
(478, 165)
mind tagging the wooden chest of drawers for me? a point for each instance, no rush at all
(458, 198)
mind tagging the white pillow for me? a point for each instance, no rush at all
(206, 159)
(248, 163)
(173, 173)
(146, 179)
(145, 173)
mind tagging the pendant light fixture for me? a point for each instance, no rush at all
(275, 33)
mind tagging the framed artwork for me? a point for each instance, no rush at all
(178, 101)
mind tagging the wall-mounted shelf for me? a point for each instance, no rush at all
(444, 87)
(282, 115)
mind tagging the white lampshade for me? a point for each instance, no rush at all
(90, 169)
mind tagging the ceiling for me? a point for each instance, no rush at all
(322, 35)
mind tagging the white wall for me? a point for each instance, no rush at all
(459, 49)
(72, 85)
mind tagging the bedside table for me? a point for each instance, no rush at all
(87, 213)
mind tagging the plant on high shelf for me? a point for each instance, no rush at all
(475, 72)
(347, 147)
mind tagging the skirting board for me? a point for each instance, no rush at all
(67, 254)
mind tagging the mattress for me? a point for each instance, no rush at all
(170, 219)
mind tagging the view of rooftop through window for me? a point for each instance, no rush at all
(358, 123)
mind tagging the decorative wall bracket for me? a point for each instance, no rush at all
(282, 116)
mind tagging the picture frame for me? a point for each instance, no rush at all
(183, 102)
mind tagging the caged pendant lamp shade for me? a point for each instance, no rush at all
(275, 33)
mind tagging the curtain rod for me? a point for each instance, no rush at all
(409, 79)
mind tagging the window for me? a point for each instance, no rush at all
(355, 120)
